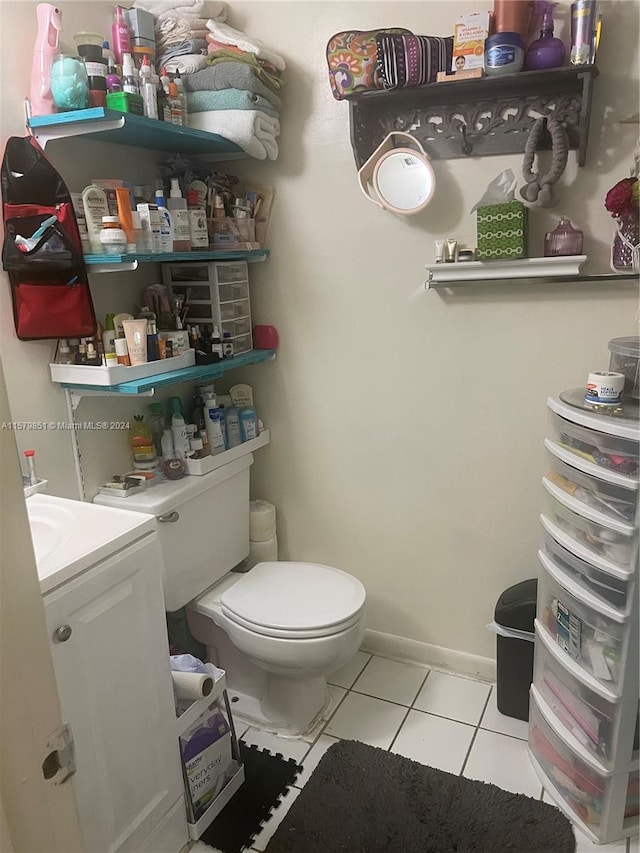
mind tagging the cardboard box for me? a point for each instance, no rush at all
(469, 35)
(503, 231)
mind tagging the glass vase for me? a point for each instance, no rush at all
(625, 249)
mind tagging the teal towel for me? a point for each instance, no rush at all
(228, 99)
(229, 75)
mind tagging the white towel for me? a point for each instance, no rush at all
(254, 131)
(188, 63)
(183, 8)
(227, 35)
(173, 29)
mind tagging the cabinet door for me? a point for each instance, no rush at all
(115, 689)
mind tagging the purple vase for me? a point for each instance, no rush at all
(625, 251)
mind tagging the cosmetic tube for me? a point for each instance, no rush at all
(124, 215)
(122, 352)
(439, 244)
(450, 251)
(135, 332)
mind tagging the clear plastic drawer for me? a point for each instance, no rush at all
(588, 717)
(594, 639)
(615, 590)
(232, 292)
(242, 344)
(611, 499)
(594, 537)
(227, 272)
(237, 328)
(610, 452)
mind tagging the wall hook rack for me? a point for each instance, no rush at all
(497, 113)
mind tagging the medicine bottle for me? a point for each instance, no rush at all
(112, 238)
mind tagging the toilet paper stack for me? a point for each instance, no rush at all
(263, 544)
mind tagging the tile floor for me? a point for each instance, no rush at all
(437, 718)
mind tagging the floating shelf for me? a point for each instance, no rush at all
(128, 129)
(161, 380)
(126, 263)
(495, 113)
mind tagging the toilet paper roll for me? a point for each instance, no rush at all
(262, 552)
(604, 387)
(262, 521)
(191, 685)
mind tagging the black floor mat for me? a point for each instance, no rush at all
(267, 779)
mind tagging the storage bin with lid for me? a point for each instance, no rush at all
(591, 633)
(588, 714)
(625, 358)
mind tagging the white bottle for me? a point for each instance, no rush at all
(166, 237)
(129, 75)
(179, 433)
(212, 424)
(167, 444)
(177, 207)
(148, 90)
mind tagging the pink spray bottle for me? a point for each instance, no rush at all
(45, 48)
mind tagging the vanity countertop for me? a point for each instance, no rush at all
(71, 536)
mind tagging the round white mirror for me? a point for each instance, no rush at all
(404, 180)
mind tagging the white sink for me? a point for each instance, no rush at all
(70, 536)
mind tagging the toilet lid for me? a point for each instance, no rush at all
(295, 598)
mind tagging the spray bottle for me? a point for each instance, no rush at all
(547, 51)
(46, 46)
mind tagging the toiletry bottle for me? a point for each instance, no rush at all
(120, 34)
(166, 444)
(563, 240)
(179, 432)
(216, 345)
(122, 352)
(64, 353)
(547, 51)
(49, 19)
(177, 206)
(81, 356)
(175, 105)
(155, 420)
(148, 89)
(142, 444)
(129, 79)
(166, 231)
(112, 238)
(94, 202)
(198, 231)
(232, 426)
(227, 345)
(93, 357)
(182, 94)
(197, 447)
(248, 423)
(214, 430)
(108, 54)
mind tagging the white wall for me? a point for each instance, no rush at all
(407, 426)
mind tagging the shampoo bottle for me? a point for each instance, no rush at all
(177, 206)
(120, 34)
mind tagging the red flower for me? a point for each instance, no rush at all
(620, 199)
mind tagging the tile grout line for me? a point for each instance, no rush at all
(395, 737)
(475, 734)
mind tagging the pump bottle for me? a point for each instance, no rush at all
(148, 89)
(547, 51)
(177, 207)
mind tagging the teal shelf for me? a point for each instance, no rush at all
(111, 263)
(186, 374)
(128, 129)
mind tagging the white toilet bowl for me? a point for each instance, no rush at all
(278, 631)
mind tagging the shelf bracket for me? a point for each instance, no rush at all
(76, 395)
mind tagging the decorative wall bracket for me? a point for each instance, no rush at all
(479, 117)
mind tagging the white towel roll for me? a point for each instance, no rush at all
(191, 685)
(262, 552)
(262, 521)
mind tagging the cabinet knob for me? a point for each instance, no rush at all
(170, 517)
(62, 634)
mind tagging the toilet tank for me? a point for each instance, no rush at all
(203, 527)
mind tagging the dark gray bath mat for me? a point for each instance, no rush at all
(361, 799)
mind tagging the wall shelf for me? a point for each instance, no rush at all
(496, 113)
(545, 279)
(128, 129)
(127, 263)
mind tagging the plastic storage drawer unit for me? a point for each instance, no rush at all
(611, 452)
(515, 609)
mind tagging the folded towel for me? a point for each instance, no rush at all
(269, 78)
(229, 75)
(216, 10)
(181, 48)
(228, 35)
(186, 64)
(229, 99)
(172, 30)
(253, 131)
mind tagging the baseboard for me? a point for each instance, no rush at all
(413, 651)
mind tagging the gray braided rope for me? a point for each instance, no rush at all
(538, 187)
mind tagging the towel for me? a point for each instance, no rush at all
(268, 77)
(172, 30)
(183, 8)
(229, 75)
(181, 48)
(227, 35)
(253, 131)
(229, 99)
(187, 63)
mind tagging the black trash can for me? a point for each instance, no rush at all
(516, 608)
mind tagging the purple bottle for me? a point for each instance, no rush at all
(547, 51)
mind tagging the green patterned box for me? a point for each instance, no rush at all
(502, 231)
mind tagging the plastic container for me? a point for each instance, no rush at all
(112, 238)
(516, 609)
(563, 240)
(625, 358)
(503, 54)
(611, 452)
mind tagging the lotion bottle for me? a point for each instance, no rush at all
(212, 424)
(166, 231)
(177, 207)
(179, 432)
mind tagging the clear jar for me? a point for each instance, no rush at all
(112, 238)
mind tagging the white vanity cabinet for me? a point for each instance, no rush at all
(111, 658)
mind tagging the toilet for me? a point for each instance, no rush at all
(277, 630)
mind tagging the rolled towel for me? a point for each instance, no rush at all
(229, 75)
(180, 49)
(229, 99)
(253, 131)
(172, 30)
(228, 35)
(187, 64)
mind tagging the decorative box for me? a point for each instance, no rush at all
(502, 231)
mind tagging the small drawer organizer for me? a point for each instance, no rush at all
(584, 709)
(218, 294)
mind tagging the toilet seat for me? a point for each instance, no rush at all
(294, 601)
